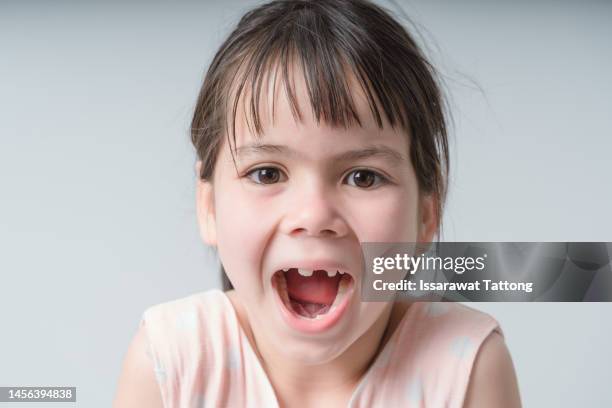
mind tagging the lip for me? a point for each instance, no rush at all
(313, 326)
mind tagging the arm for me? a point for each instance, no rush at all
(137, 384)
(493, 381)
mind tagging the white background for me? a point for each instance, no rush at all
(97, 216)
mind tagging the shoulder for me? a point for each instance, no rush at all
(444, 333)
(179, 328)
(444, 343)
(137, 384)
(493, 381)
(445, 321)
(184, 320)
(167, 348)
(180, 311)
(477, 355)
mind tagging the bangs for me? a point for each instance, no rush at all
(336, 65)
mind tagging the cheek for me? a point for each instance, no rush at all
(389, 216)
(243, 227)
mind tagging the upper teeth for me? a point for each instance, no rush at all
(309, 272)
(305, 272)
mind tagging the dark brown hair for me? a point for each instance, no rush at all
(329, 40)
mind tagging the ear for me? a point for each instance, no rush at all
(428, 218)
(205, 209)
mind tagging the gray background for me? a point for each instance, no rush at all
(97, 183)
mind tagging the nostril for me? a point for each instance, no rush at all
(298, 231)
(314, 224)
(322, 233)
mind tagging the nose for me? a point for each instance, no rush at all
(314, 213)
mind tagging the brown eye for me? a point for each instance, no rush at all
(364, 178)
(264, 175)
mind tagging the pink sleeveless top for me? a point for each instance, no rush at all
(202, 357)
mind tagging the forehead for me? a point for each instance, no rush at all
(286, 107)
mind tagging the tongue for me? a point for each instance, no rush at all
(309, 309)
(318, 288)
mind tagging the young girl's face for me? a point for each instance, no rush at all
(306, 195)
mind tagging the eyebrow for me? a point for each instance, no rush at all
(381, 151)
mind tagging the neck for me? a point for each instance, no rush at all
(338, 377)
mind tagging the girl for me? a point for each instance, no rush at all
(320, 125)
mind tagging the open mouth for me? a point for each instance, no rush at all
(312, 294)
